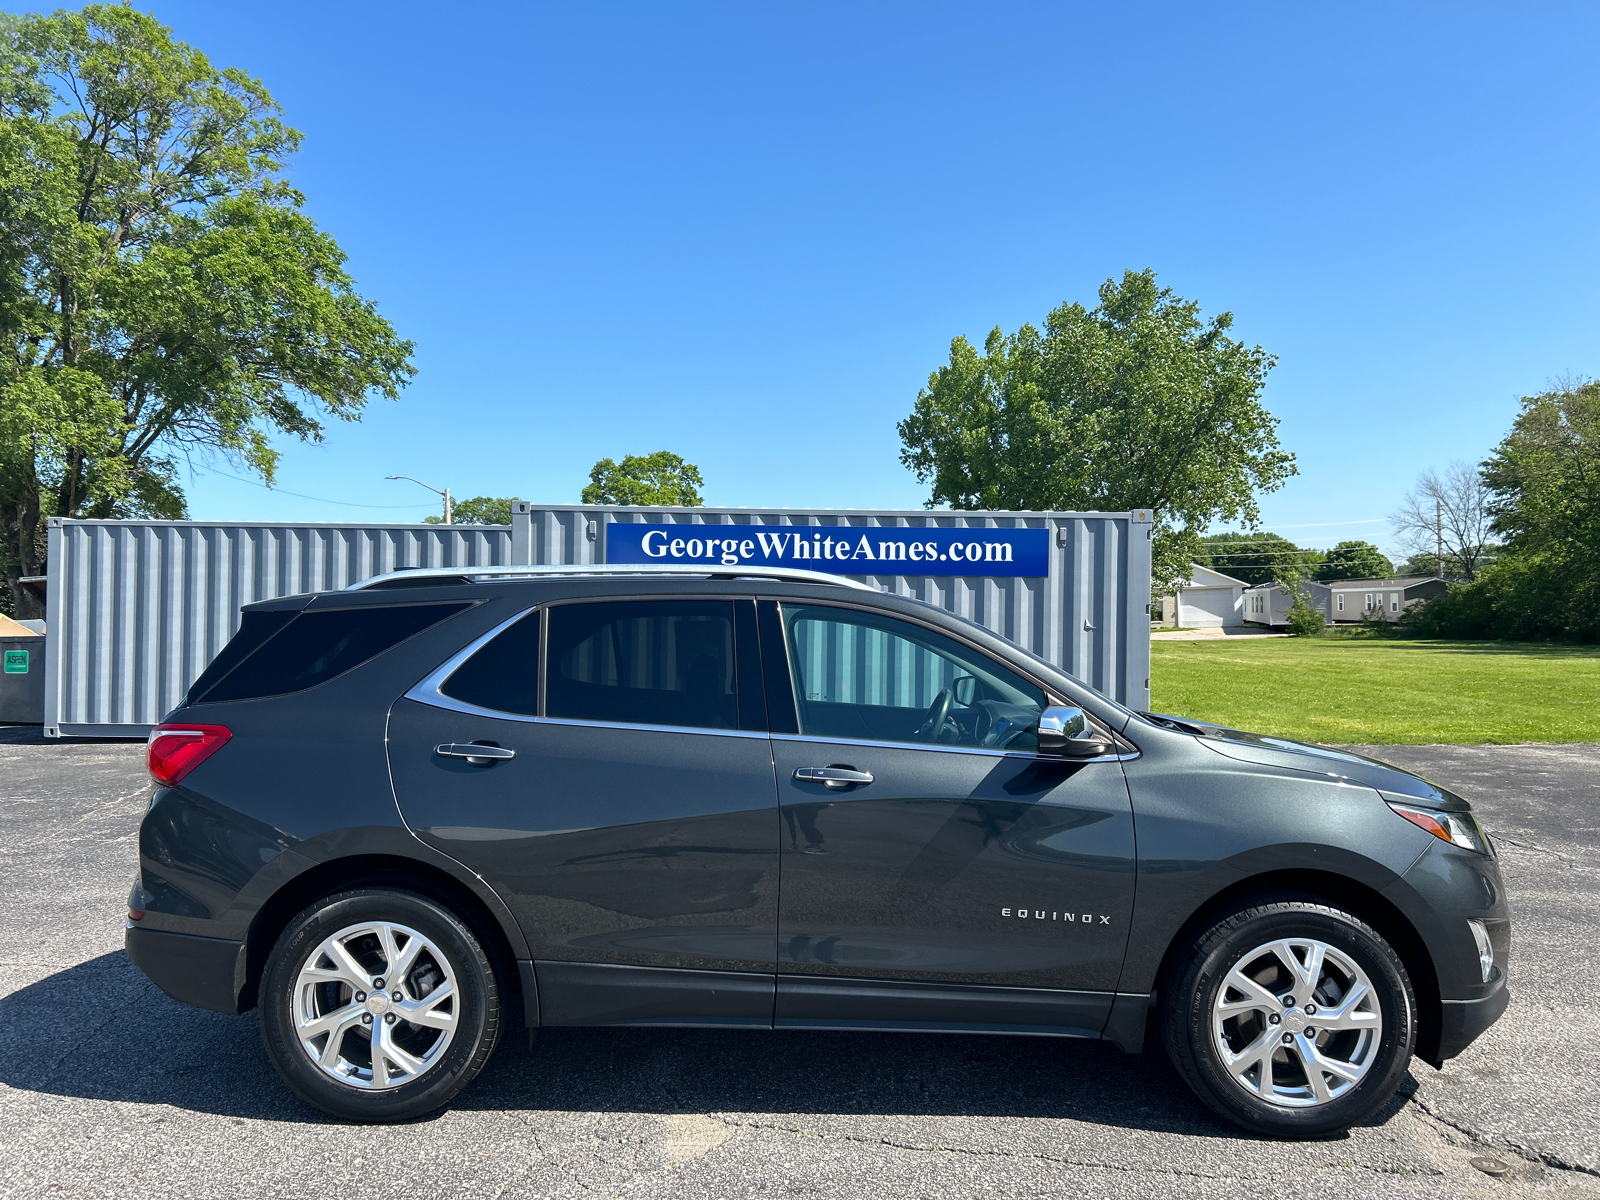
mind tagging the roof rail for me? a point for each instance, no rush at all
(611, 570)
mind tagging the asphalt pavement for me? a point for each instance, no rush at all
(109, 1088)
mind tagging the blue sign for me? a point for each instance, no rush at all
(839, 549)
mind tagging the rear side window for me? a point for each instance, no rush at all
(254, 629)
(654, 662)
(503, 675)
(316, 646)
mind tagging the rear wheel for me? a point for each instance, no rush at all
(378, 1005)
(1292, 1018)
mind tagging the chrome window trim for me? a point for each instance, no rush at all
(983, 751)
(426, 691)
(437, 700)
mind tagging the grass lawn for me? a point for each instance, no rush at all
(1383, 691)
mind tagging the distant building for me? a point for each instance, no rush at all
(1210, 600)
(1268, 603)
(1383, 598)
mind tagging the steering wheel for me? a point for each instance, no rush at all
(938, 714)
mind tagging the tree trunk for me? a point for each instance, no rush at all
(22, 526)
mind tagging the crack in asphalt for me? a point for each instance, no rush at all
(1508, 1146)
(976, 1153)
(1568, 860)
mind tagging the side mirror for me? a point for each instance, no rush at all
(964, 688)
(1068, 733)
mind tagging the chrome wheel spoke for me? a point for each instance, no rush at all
(1257, 998)
(1346, 1015)
(331, 1022)
(1257, 1054)
(407, 1062)
(1316, 1062)
(380, 1062)
(345, 968)
(405, 958)
(426, 1011)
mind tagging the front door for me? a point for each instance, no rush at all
(633, 828)
(946, 876)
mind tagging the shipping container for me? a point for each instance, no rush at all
(136, 609)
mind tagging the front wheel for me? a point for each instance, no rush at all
(378, 1005)
(1292, 1018)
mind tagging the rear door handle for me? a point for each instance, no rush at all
(478, 756)
(833, 777)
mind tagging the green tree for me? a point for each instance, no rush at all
(1543, 482)
(162, 293)
(1252, 557)
(1419, 565)
(1355, 560)
(480, 510)
(661, 478)
(1136, 403)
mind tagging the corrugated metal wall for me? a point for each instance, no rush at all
(1090, 615)
(136, 609)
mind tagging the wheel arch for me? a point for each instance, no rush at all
(375, 870)
(1356, 897)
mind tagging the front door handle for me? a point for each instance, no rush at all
(478, 756)
(833, 777)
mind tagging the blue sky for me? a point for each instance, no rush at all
(747, 232)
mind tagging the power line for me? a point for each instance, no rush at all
(303, 496)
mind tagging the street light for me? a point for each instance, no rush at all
(446, 493)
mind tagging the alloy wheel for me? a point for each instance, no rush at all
(1297, 1023)
(375, 1005)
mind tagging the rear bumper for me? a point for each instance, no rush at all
(196, 970)
(1463, 1020)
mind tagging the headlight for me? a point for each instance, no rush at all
(1458, 828)
(1480, 934)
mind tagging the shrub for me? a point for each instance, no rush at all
(1305, 621)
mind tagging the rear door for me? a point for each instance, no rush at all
(952, 878)
(625, 810)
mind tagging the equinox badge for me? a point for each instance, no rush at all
(1039, 914)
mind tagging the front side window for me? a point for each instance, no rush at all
(865, 676)
(645, 662)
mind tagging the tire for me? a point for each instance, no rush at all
(1271, 1068)
(435, 1026)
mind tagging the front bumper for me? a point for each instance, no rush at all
(1463, 1020)
(202, 971)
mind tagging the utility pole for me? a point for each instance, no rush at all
(449, 505)
(1438, 534)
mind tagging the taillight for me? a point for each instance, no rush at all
(175, 750)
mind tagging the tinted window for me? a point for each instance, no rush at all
(316, 646)
(504, 675)
(862, 675)
(254, 629)
(667, 662)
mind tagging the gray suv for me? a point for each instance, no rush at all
(397, 817)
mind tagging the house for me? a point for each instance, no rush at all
(1210, 600)
(1268, 603)
(1386, 598)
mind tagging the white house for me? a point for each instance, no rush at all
(1268, 603)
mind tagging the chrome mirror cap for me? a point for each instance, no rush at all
(1067, 732)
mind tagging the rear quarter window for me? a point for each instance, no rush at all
(314, 647)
